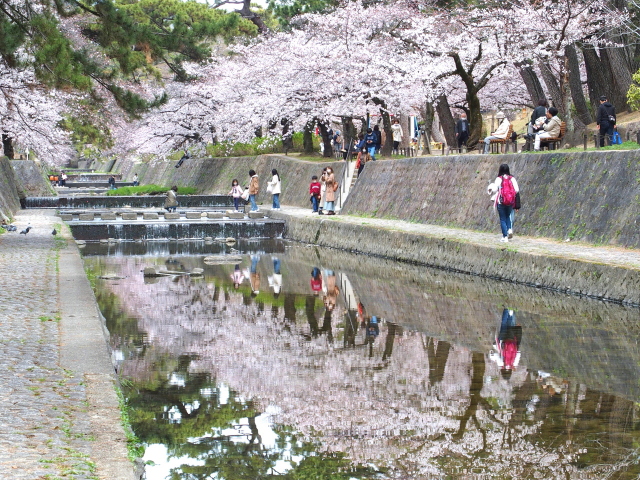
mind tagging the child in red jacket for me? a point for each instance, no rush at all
(314, 191)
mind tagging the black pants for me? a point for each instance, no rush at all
(462, 138)
(606, 130)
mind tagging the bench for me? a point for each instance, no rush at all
(553, 143)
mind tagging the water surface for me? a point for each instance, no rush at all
(371, 369)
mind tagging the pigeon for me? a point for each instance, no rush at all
(55, 232)
(25, 231)
(10, 228)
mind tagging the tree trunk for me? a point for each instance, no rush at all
(7, 146)
(532, 82)
(553, 88)
(349, 132)
(287, 140)
(475, 118)
(596, 76)
(326, 139)
(307, 137)
(619, 76)
(577, 95)
(429, 113)
(446, 121)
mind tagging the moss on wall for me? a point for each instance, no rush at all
(589, 196)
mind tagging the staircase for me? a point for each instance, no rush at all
(347, 183)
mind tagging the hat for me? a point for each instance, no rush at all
(603, 98)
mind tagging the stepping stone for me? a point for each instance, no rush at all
(66, 217)
(172, 216)
(194, 215)
(129, 216)
(108, 216)
(85, 217)
(256, 215)
(150, 216)
(215, 215)
(235, 215)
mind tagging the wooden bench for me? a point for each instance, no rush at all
(553, 143)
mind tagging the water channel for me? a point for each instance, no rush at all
(297, 362)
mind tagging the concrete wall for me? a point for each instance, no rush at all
(592, 196)
(32, 179)
(9, 199)
(562, 274)
(214, 175)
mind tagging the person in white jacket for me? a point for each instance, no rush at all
(274, 186)
(396, 131)
(500, 133)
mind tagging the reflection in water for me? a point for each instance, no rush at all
(386, 368)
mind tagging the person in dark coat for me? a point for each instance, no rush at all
(539, 112)
(462, 130)
(606, 120)
(378, 133)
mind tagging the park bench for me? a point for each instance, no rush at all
(554, 143)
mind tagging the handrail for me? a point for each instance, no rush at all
(343, 183)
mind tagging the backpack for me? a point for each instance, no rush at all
(507, 192)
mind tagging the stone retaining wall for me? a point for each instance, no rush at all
(577, 277)
(589, 196)
(9, 199)
(214, 175)
(32, 179)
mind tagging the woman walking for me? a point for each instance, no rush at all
(505, 188)
(254, 188)
(330, 194)
(274, 186)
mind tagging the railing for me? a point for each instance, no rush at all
(343, 184)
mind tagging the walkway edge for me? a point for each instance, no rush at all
(502, 262)
(84, 351)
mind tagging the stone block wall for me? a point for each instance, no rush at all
(588, 196)
(9, 199)
(32, 180)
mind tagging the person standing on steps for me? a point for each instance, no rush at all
(275, 186)
(135, 180)
(254, 188)
(112, 182)
(171, 202)
(370, 141)
(504, 190)
(236, 192)
(606, 120)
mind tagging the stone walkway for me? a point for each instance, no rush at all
(618, 256)
(48, 428)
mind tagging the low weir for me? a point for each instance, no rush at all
(137, 201)
(157, 230)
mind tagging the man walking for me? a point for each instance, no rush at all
(606, 120)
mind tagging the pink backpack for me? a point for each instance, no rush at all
(507, 192)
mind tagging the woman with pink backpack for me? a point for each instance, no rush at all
(505, 199)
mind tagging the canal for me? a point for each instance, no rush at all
(289, 361)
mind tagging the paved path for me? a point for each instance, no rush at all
(617, 256)
(52, 408)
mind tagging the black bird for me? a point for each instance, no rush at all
(10, 228)
(55, 232)
(25, 231)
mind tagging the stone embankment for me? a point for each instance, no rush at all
(609, 273)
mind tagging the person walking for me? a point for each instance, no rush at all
(504, 190)
(370, 141)
(462, 131)
(171, 202)
(397, 134)
(606, 120)
(236, 191)
(275, 187)
(378, 134)
(330, 193)
(254, 188)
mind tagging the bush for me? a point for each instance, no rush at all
(149, 190)
(257, 146)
